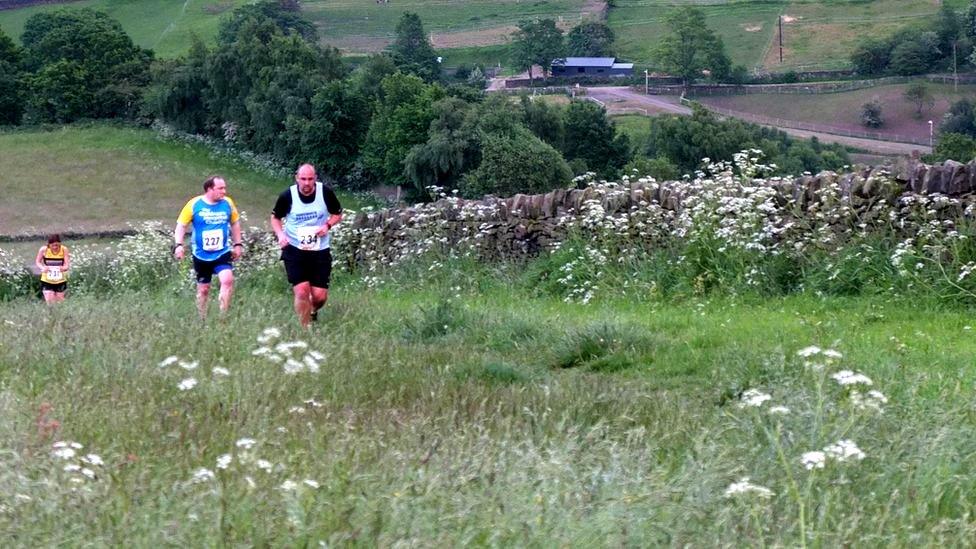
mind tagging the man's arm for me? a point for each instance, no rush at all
(178, 234)
(235, 237)
(279, 231)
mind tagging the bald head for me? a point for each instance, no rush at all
(305, 178)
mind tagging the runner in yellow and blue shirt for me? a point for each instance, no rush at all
(53, 262)
(216, 240)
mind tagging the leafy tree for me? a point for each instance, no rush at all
(590, 39)
(368, 77)
(871, 114)
(401, 121)
(11, 89)
(871, 56)
(411, 51)
(948, 27)
(283, 16)
(178, 93)
(690, 48)
(544, 120)
(591, 136)
(452, 147)
(953, 146)
(919, 94)
(61, 45)
(659, 168)
(915, 55)
(537, 42)
(961, 119)
(969, 20)
(516, 163)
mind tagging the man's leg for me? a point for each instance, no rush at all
(319, 297)
(303, 303)
(226, 278)
(203, 291)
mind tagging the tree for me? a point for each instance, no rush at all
(591, 136)
(919, 94)
(11, 89)
(282, 15)
(412, 52)
(915, 54)
(544, 120)
(871, 56)
(871, 114)
(452, 148)
(969, 21)
(590, 39)
(402, 120)
(948, 27)
(537, 42)
(179, 91)
(960, 119)
(62, 45)
(516, 163)
(690, 49)
(953, 146)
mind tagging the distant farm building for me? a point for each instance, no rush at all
(591, 66)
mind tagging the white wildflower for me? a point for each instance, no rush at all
(189, 365)
(753, 398)
(313, 403)
(316, 355)
(219, 371)
(830, 353)
(170, 360)
(844, 450)
(289, 485)
(93, 459)
(269, 334)
(744, 487)
(807, 352)
(264, 465)
(813, 460)
(312, 364)
(187, 384)
(88, 472)
(246, 443)
(64, 453)
(224, 460)
(873, 400)
(72, 468)
(202, 475)
(286, 347)
(779, 410)
(260, 351)
(296, 410)
(311, 483)
(847, 377)
(292, 366)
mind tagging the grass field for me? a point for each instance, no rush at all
(163, 26)
(843, 110)
(478, 421)
(98, 177)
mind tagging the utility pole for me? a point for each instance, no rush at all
(645, 81)
(781, 39)
(955, 75)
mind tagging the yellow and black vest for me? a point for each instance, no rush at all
(52, 259)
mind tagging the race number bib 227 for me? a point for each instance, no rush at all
(213, 240)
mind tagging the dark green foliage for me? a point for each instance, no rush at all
(684, 141)
(283, 18)
(591, 136)
(452, 147)
(83, 65)
(590, 39)
(915, 55)
(402, 120)
(960, 119)
(442, 318)
(871, 56)
(516, 163)
(953, 146)
(915, 50)
(179, 91)
(919, 94)
(537, 42)
(334, 131)
(11, 86)
(498, 372)
(871, 114)
(544, 120)
(690, 49)
(412, 52)
(660, 168)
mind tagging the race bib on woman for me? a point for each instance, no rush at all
(54, 274)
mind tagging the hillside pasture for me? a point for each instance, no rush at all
(368, 26)
(94, 178)
(165, 27)
(843, 110)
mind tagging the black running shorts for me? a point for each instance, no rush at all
(58, 288)
(206, 269)
(312, 266)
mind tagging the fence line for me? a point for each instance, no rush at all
(797, 125)
(803, 88)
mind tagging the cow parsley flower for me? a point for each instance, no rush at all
(224, 461)
(844, 450)
(744, 487)
(168, 361)
(753, 398)
(219, 371)
(93, 459)
(187, 384)
(813, 460)
(189, 365)
(808, 352)
(289, 485)
(311, 483)
(847, 377)
(779, 410)
(246, 443)
(202, 475)
(264, 465)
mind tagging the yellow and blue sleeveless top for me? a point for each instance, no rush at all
(211, 226)
(51, 259)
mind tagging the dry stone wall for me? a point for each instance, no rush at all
(524, 225)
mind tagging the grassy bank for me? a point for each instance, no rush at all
(459, 409)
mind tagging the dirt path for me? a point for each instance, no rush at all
(619, 100)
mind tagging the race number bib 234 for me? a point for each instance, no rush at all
(307, 239)
(213, 240)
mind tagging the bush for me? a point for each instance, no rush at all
(519, 163)
(871, 115)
